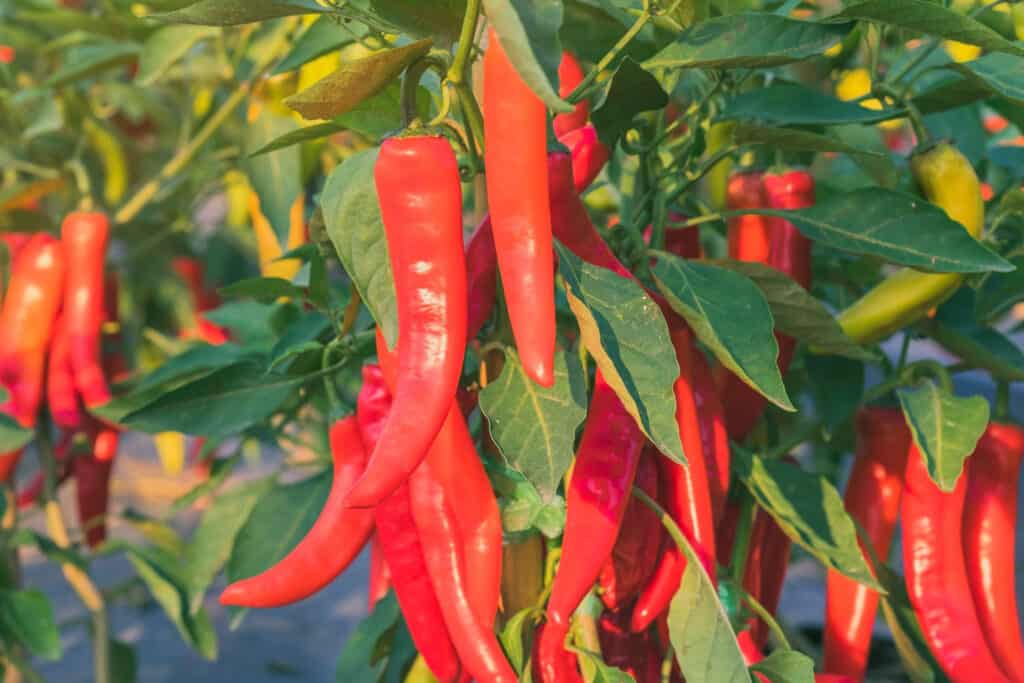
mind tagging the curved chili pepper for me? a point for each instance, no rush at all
(749, 234)
(61, 397)
(92, 471)
(766, 568)
(85, 236)
(421, 205)
(380, 575)
(635, 653)
(589, 155)
(714, 438)
(400, 544)
(570, 75)
(873, 500)
(334, 541)
(936, 575)
(26, 324)
(552, 663)
(596, 499)
(686, 493)
(989, 532)
(635, 554)
(14, 241)
(515, 124)
(481, 277)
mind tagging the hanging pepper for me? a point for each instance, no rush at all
(714, 438)
(637, 654)
(570, 75)
(635, 554)
(85, 236)
(421, 206)
(589, 155)
(401, 547)
(596, 499)
(989, 532)
(872, 499)
(948, 180)
(26, 325)
(790, 251)
(936, 576)
(515, 123)
(552, 662)
(766, 567)
(61, 397)
(380, 575)
(91, 470)
(749, 234)
(686, 493)
(332, 543)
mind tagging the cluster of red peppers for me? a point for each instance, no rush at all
(52, 350)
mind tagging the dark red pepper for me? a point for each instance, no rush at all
(637, 654)
(570, 75)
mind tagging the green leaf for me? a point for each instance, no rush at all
(594, 669)
(528, 31)
(895, 226)
(234, 12)
(86, 60)
(631, 92)
(438, 18)
(195, 361)
(167, 587)
(838, 387)
(276, 177)
(264, 289)
(210, 546)
(799, 140)
(946, 428)
(931, 19)
(165, 47)
(533, 427)
(786, 666)
(12, 435)
(357, 662)
(124, 665)
(225, 402)
(795, 105)
(1001, 292)
(699, 629)
(626, 333)
(916, 656)
(1001, 73)
(280, 519)
(729, 314)
(355, 82)
(352, 214)
(797, 313)
(324, 35)
(808, 509)
(512, 637)
(28, 616)
(753, 40)
(299, 335)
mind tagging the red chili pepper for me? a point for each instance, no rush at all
(570, 75)
(92, 472)
(26, 325)
(686, 493)
(552, 663)
(85, 238)
(515, 124)
(596, 500)
(190, 270)
(481, 277)
(749, 234)
(61, 397)
(421, 205)
(989, 533)
(790, 251)
(873, 500)
(713, 435)
(380, 575)
(635, 554)
(15, 241)
(401, 547)
(766, 568)
(7, 54)
(334, 541)
(635, 653)
(589, 155)
(936, 575)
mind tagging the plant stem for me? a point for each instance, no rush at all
(178, 162)
(634, 30)
(459, 67)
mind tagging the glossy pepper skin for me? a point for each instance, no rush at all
(989, 532)
(26, 325)
(589, 155)
(552, 662)
(789, 250)
(872, 499)
(766, 569)
(936, 576)
(418, 181)
(686, 494)
(333, 542)
(400, 544)
(61, 396)
(596, 500)
(749, 234)
(85, 237)
(714, 437)
(570, 75)
(635, 554)
(515, 125)
(946, 179)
